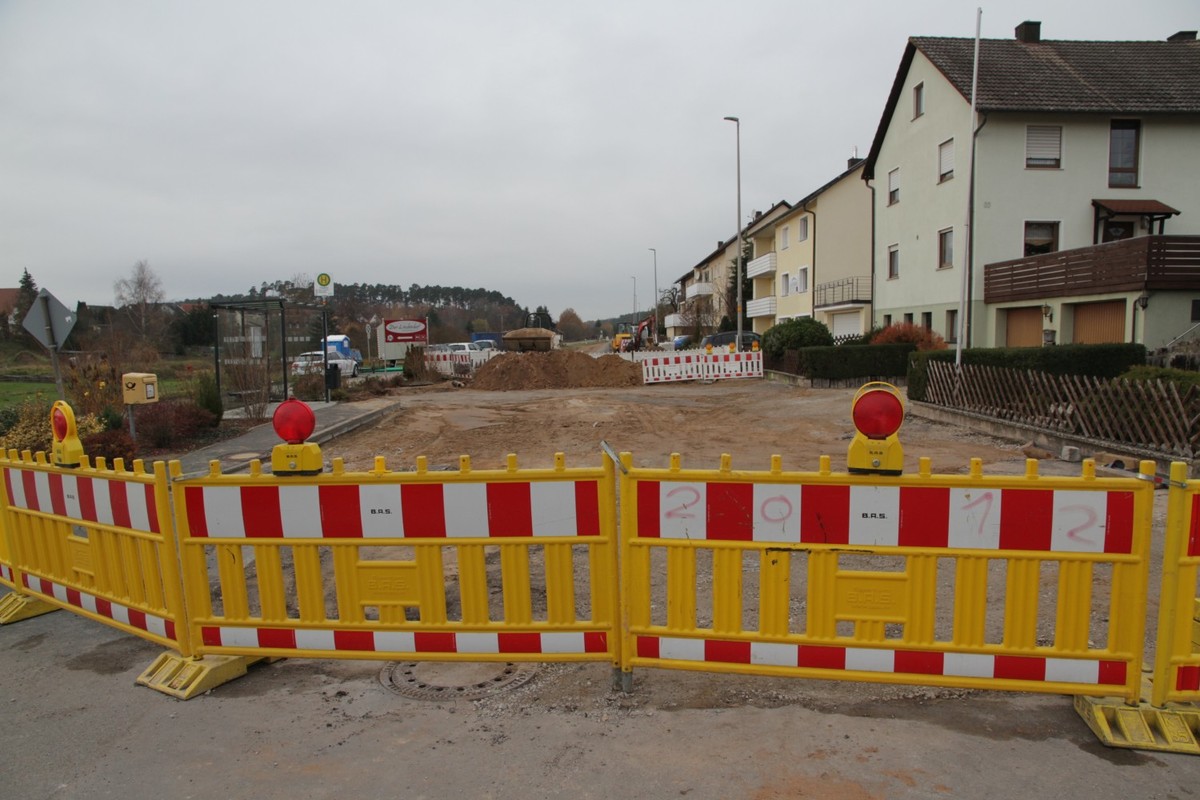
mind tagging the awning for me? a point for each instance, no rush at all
(1141, 208)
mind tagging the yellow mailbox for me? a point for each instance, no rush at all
(139, 387)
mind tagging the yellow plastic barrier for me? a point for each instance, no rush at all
(490, 565)
(838, 576)
(96, 541)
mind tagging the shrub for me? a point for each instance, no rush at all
(204, 393)
(795, 334)
(110, 445)
(168, 423)
(309, 387)
(1183, 379)
(32, 431)
(923, 338)
(91, 383)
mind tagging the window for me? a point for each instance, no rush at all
(893, 262)
(952, 326)
(908, 319)
(783, 238)
(1123, 152)
(918, 100)
(1040, 237)
(945, 160)
(1043, 146)
(927, 320)
(946, 248)
(801, 281)
(802, 229)
(894, 187)
(887, 320)
(784, 285)
(1196, 311)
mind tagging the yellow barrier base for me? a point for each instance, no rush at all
(1174, 728)
(184, 678)
(16, 607)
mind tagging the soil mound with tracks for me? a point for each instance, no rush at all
(557, 369)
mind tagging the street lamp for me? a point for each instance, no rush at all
(652, 250)
(737, 256)
(633, 320)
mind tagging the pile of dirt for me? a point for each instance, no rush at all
(529, 333)
(557, 369)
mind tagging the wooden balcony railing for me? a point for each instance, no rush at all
(1144, 262)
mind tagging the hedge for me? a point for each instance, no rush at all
(841, 362)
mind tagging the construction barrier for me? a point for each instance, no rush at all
(1177, 669)
(495, 565)
(698, 365)
(459, 363)
(838, 576)
(96, 541)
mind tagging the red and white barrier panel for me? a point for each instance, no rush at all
(431, 643)
(1082, 671)
(722, 366)
(673, 367)
(459, 363)
(1054, 520)
(6, 573)
(386, 511)
(124, 504)
(159, 626)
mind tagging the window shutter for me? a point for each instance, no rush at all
(946, 158)
(894, 179)
(1043, 145)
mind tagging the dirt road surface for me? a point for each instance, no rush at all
(76, 726)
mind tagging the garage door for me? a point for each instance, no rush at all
(1100, 323)
(1024, 327)
(846, 325)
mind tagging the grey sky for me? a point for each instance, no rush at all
(534, 148)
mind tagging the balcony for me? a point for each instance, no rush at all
(1130, 265)
(699, 290)
(763, 265)
(763, 307)
(673, 320)
(842, 292)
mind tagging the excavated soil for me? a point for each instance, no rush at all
(557, 369)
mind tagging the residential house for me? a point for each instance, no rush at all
(707, 291)
(819, 259)
(1086, 178)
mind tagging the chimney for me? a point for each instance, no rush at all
(1029, 32)
(852, 162)
(1182, 36)
(757, 215)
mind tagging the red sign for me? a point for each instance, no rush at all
(404, 330)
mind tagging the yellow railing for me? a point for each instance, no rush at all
(829, 575)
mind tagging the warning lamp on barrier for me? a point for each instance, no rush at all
(67, 450)
(294, 421)
(877, 411)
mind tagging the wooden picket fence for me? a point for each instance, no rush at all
(1151, 415)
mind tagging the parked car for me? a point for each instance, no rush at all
(463, 347)
(487, 344)
(721, 341)
(314, 361)
(682, 341)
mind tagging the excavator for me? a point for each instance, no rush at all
(630, 337)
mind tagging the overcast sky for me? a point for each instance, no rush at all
(535, 148)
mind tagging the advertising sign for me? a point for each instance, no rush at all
(405, 330)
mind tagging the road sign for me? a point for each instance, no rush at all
(323, 286)
(49, 321)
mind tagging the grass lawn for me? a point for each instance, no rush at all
(13, 393)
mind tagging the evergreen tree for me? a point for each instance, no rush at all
(27, 293)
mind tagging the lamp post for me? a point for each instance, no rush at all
(633, 319)
(737, 236)
(655, 252)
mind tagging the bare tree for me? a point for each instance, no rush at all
(139, 296)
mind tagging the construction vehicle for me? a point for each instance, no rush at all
(538, 335)
(630, 337)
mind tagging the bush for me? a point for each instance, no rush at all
(204, 393)
(309, 387)
(168, 423)
(923, 338)
(91, 383)
(32, 431)
(110, 445)
(1183, 379)
(840, 363)
(795, 334)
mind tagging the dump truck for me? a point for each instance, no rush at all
(538, 335)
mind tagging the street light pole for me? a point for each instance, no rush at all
(737, 256)
(652, 250)
(633, 320)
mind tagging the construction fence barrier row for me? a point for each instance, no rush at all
(1024, 583)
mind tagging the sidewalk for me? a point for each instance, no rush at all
(333, 419)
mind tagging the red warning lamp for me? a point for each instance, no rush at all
(877, 412)
(294, 422)
(66, 450)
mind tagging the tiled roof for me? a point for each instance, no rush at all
(1153, 207)
(1098, 77)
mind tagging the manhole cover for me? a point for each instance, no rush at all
(424, 680)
